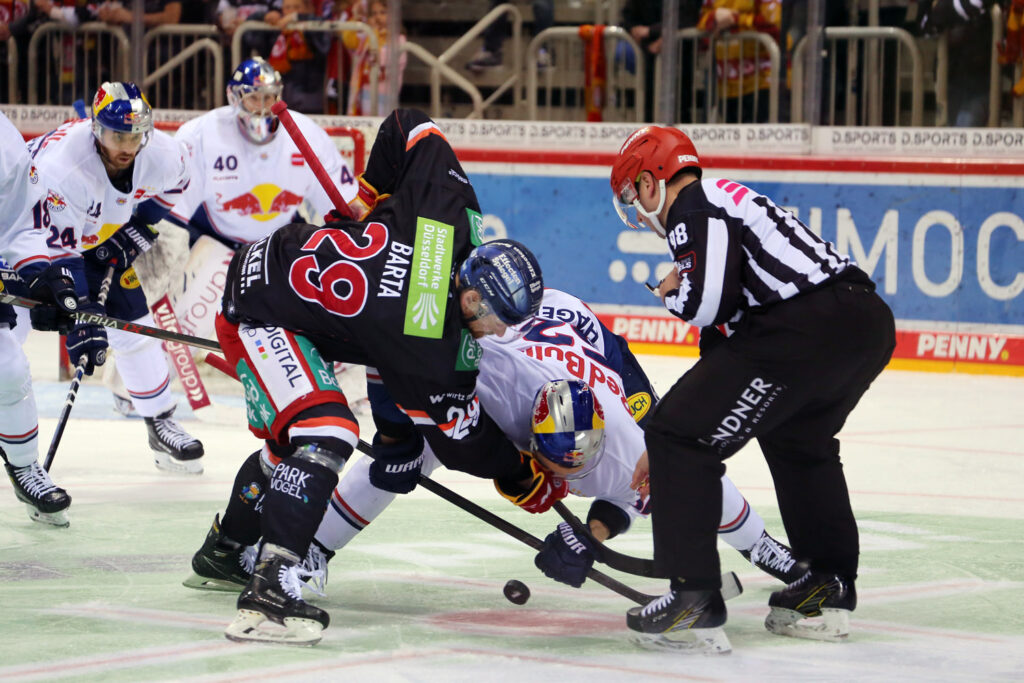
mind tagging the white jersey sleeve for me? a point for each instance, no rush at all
(21, 188)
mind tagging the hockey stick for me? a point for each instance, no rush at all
(616, 560)
(117, 324)
(516, 532)
(280, 109)
(69, 401)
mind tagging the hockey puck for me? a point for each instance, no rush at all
(517, 592)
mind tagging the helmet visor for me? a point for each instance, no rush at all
(625, 199)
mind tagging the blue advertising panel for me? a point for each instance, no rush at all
(938, 252)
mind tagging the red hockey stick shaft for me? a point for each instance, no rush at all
(280, 109)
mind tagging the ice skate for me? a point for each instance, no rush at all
(221, 564)
(47, 503)
(689, 622)
(775, 558)
(271, 608)
(315, 564)
(815, 606)
(174, 449)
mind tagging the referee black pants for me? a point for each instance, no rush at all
(788, 377)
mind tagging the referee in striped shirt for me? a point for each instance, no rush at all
(792, 335)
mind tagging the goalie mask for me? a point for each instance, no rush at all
(122, 121)
(568, 425)
(663, 152)
(253, 89)
(508, 278)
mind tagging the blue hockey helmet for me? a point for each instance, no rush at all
(121, 107)
(508, 278)
(567, 423)
(253, 89)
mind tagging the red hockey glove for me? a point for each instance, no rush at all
(536, 490)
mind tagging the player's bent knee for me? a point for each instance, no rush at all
(396, 465)
(318, 455)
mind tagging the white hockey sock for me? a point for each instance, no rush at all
(143, 367)
(19, 420)
(741, 526)
(356, 502)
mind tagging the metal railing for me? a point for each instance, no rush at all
(75, 61)
(564, 80)
(12, 70)
(442, 66)
(707, 99)
(858, 109)
(190, 74)
(438, 69)
(336, 27)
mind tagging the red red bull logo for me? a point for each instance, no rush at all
(263, 203)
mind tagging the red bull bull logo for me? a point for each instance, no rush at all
(263, 203)
(55, 201)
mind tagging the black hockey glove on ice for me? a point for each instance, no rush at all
(565, 557)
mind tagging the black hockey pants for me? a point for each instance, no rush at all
(788, 377)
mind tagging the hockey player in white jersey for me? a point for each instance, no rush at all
(543, 382)
(248, 180)
(32, 275)
(248, 177)
(108, 179)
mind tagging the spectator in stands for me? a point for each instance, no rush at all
(300, 58)
(744, 70)
(339, 62)
(68, 12)
(155, 13)
(642, 18)
(490, 55)
(364, 59)
(231, 14)
(968, 29)
(10, 11)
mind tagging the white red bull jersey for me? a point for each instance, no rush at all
(514, 366)
(81, 207)
(246, 190)
(21, 188)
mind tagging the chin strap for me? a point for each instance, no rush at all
(652, 216)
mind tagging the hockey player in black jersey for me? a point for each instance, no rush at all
(403, 290)
(792, 335)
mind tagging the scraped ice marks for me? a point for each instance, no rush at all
(527, 622)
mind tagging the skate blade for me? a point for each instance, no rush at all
(251, 626)
(693, 641)
(57, 519)
(832, 626)
(205, 583)
(168, 463)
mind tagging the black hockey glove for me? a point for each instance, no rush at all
(53, 285)
(125, 245)
(396, 466)
(87, 342)
(565, 557)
